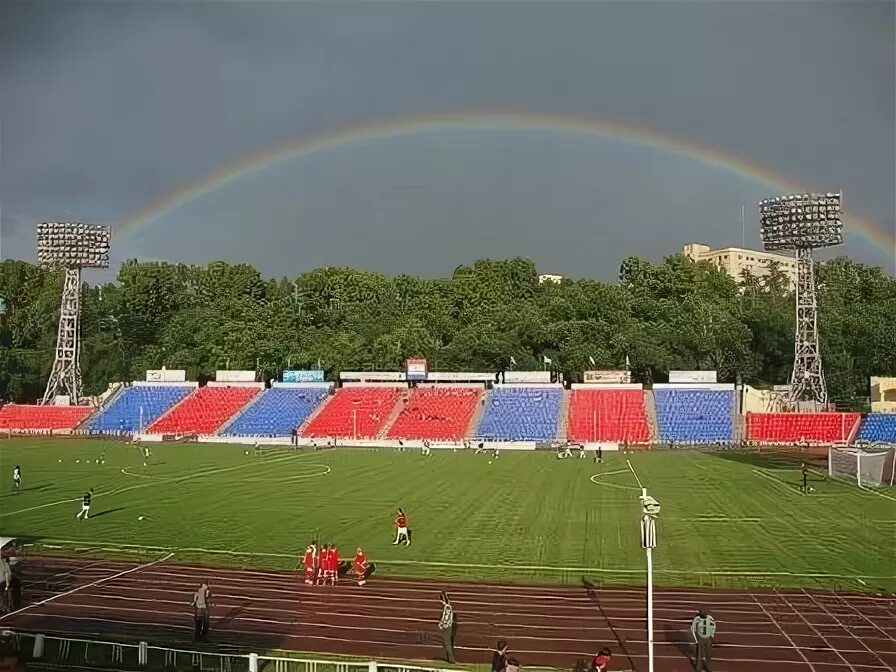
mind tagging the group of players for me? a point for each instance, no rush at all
(321, 566)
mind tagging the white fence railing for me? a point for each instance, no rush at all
(80, 652)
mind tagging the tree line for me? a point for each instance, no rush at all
(673, 315)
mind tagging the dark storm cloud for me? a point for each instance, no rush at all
(106, 107)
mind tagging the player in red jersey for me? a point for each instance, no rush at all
(323, 565)
(308, 560)
(360, 566)
(401, 529)
(334, 564)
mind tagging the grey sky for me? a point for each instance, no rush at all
(106, 107)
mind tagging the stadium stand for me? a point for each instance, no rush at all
(204, 411)
(277, 411)
(367, 407)
(694, 415)
(800, 427)
(36, 418)
(608, 415)
(435, 413)
(137, 407)
(878, 427)
(521, 414)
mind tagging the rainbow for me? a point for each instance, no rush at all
(384, 129)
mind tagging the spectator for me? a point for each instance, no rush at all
(703, 629)
(5, 585)
(602, 660)
(201, 605)
(499, 657)
(448, 627)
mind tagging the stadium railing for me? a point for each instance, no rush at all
(54, 652)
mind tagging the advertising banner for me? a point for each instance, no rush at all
(416, 369)
(381, 376)
(166, 376)
(303, 376)
(692, 377)
(527, 376)
(607, 377)
(459, 377)
(235, 376)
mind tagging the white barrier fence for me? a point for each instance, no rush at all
(95, 654)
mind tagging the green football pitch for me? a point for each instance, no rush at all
(727, 519)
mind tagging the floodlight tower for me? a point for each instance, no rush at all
(70, 246)
(802, 223)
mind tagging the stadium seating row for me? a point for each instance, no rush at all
(509, 413)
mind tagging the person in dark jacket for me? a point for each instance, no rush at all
(499, 657)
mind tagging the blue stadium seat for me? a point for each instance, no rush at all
(521, 414)
(136, 404)
(878, 427)
(277, 412)
(694, 416)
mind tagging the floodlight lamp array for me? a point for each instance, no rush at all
(801, 221)
(73, 245)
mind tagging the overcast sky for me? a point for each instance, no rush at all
(107, 107)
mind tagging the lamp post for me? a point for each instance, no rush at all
(650, 509)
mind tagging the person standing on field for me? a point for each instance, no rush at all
(17, 478)
(703, 629)
(360, 566)
(401, 529)
(85, 505)
(448, 627)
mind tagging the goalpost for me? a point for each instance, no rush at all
(869, 468)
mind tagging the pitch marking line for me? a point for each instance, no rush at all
(596, 480)
(89, 585)
(783, 486)
(108, 546)
(172, 479)
(629, 463)
(256, 479)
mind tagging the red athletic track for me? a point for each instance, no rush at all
(793, 631)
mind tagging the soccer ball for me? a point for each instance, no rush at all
(139, 517)
(489, 461)
(77, 461)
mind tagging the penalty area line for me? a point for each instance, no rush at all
(88, 585)
(629, 463)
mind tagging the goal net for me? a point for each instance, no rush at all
(869, 468)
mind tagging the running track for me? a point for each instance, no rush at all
(792, 631)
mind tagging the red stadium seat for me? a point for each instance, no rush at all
(800, 427)
(15, 416)
(436, 413)
(354, 412)
(204, 411)
(608, 415)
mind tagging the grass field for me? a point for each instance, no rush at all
(727, 519)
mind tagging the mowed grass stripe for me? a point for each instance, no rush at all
(470, 519)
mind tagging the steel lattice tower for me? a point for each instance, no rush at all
(803, 223)
(71, 247)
